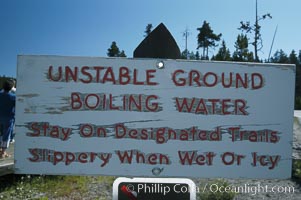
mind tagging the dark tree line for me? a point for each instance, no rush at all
(114, 51)
(242, 54)
(207, 39)
(281, 57)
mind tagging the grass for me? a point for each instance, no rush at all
(74, 187)
(297, 170)
(44, 187)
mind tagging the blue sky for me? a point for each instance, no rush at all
(88, 27)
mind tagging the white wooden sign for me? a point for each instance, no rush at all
(155, 118)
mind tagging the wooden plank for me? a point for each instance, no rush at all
(104, 116)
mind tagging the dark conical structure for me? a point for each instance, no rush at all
(158, 44)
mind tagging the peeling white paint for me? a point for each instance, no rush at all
(126, 120)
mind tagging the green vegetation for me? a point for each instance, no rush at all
(297, 170)
(44, 187)
(207, 39)
(148, 29)
(114, 51)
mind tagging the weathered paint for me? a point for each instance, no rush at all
(104, 116)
